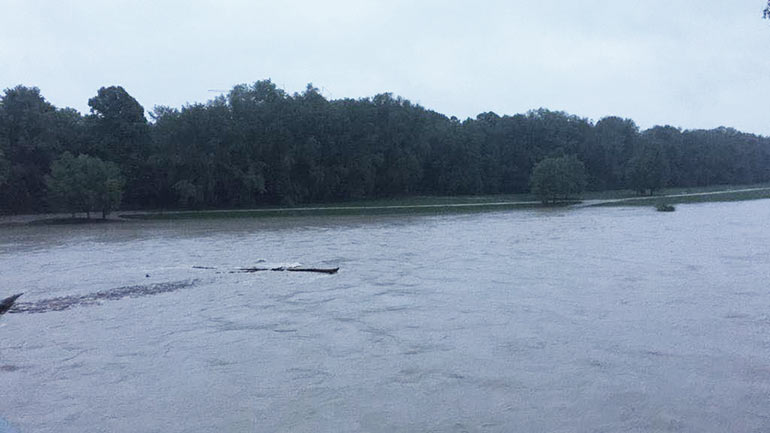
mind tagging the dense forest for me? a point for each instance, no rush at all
(261, 145)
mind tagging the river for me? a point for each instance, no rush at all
(566, 320)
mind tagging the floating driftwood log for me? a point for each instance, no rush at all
(290, 269)
(251, 270)
(8, 302)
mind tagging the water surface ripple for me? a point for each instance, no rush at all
(589, 320)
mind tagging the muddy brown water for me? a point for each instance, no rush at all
(583, 320)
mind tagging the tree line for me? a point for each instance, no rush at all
(261, 145)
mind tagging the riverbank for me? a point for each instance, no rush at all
(742, 194)
(329, 210)
(453, 204)
(431, 205)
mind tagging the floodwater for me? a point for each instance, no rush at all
(583, 320)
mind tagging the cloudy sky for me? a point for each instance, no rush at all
(688, 63)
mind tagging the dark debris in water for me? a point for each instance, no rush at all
(66, 302)
(9, 368)
(288, 269)
(251, 270)
(7, 303)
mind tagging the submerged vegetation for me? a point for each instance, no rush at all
(259, 146)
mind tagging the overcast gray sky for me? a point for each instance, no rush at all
(693, 64)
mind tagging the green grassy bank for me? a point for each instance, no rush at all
(744, 193)
(463, 204)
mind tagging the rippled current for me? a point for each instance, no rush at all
(584, 320)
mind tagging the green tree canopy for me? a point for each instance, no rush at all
(84, 184)
(119, 132)
(259, 145)
(4, 168)
(648, 169)
(28, 142)
(556, 179)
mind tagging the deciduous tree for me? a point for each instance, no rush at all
(119, 132)
(84, 184)
(558, 179)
